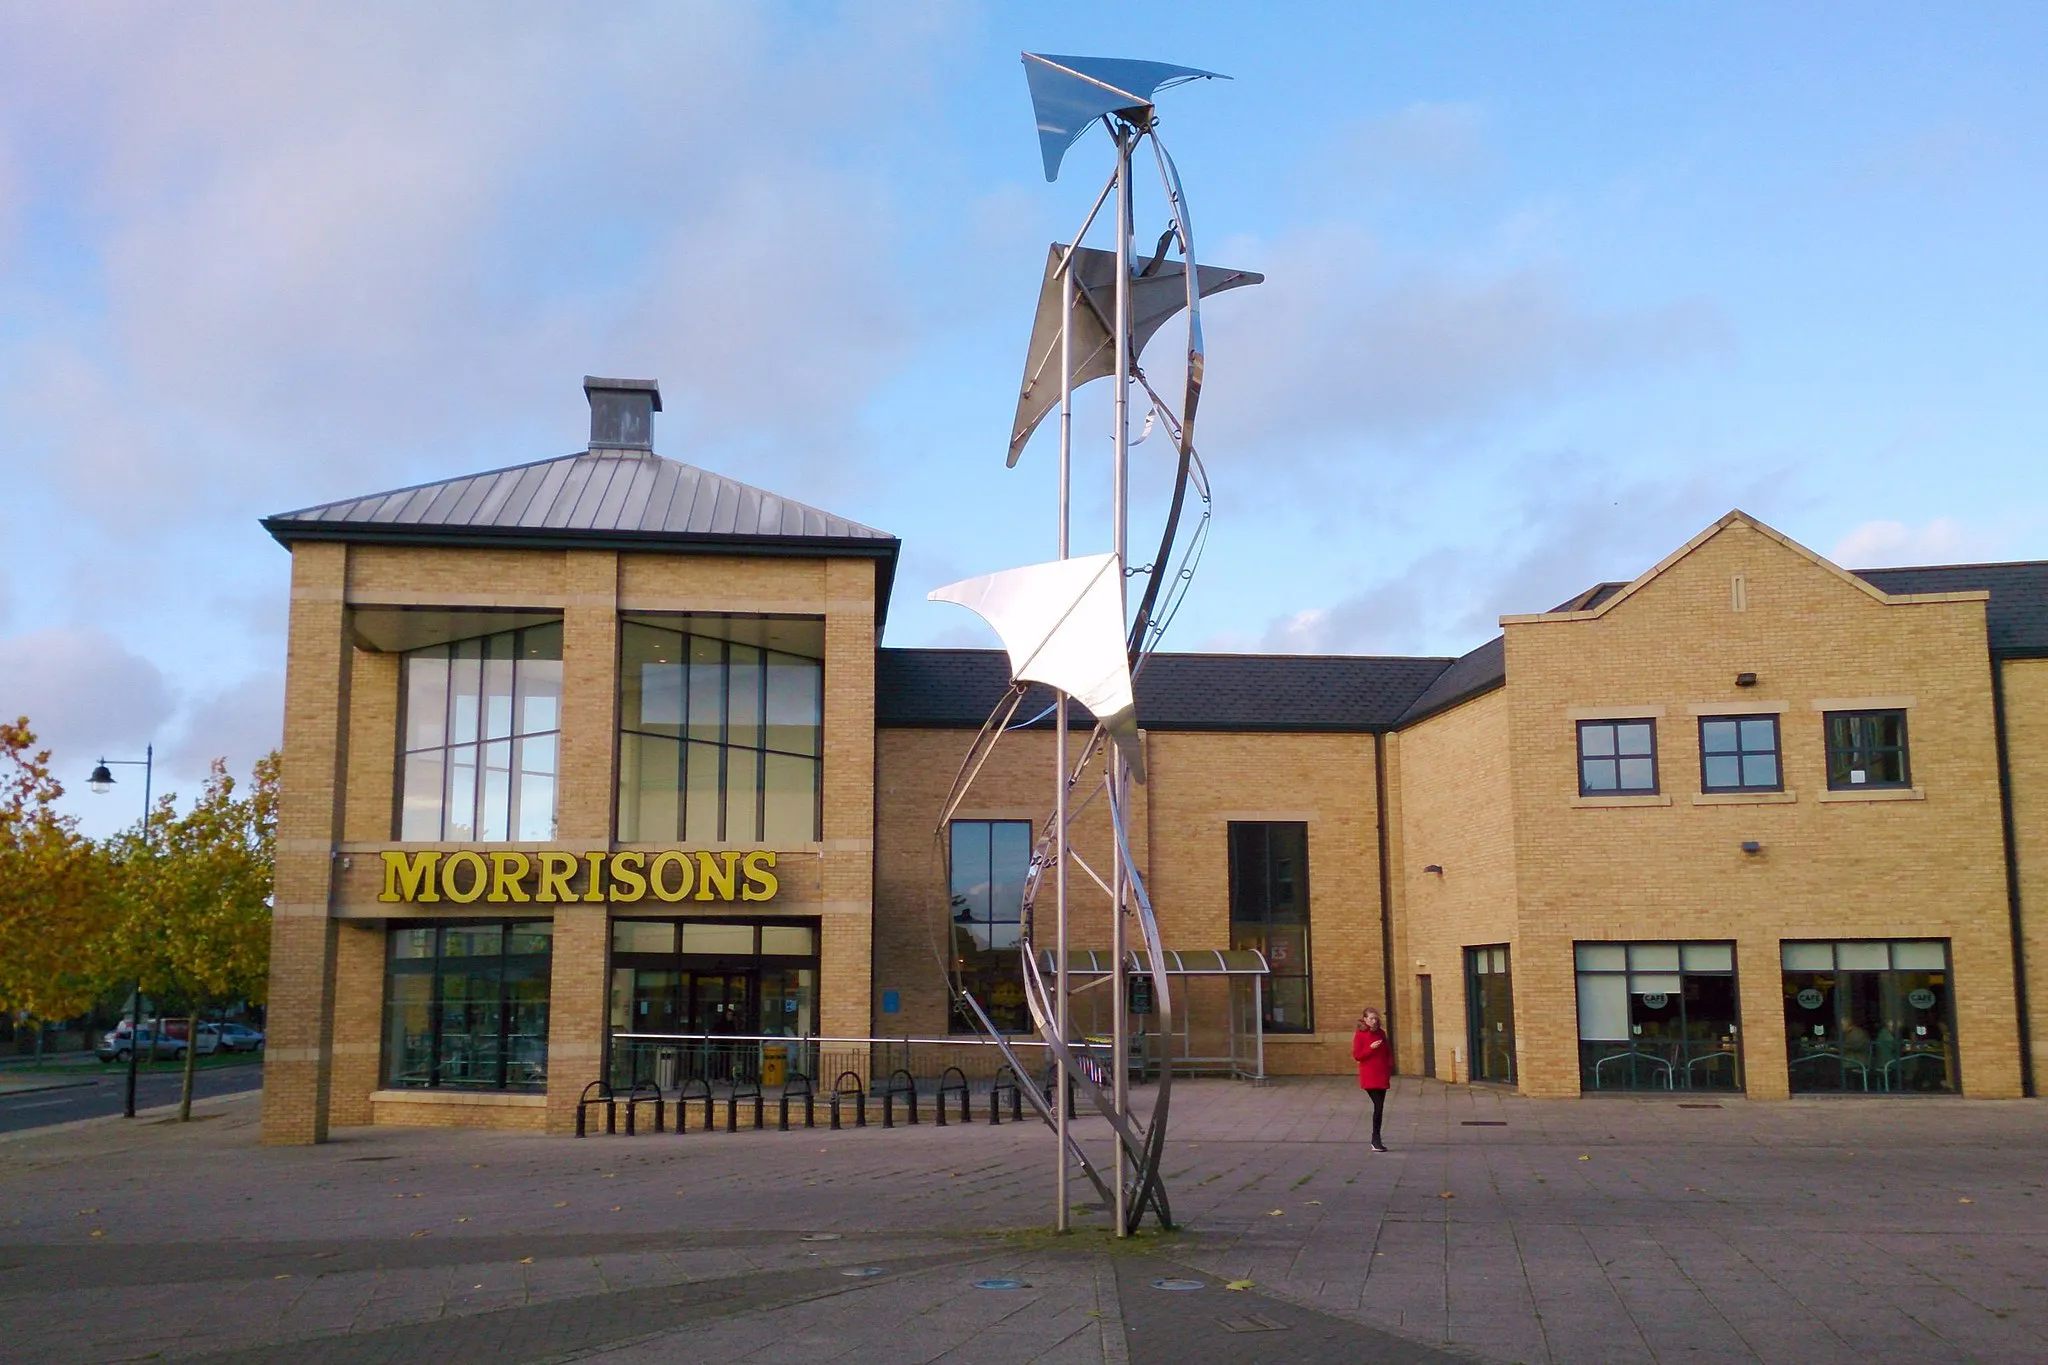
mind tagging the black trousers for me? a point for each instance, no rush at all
(1379, 1107)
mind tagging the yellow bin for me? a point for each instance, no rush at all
(775, 1064)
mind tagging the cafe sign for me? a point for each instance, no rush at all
(430, 876)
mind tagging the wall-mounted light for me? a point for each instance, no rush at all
(1437, 868)
(1752, 847)
(1745, 680)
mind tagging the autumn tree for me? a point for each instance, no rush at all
(54, 909)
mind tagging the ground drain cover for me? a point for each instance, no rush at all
(1699, 1106)
(1000, 1284)
(1483, 1123)
(1180, 1285)
(373, 1158)
(1251, 1322)
(821, 1237)
(861, 1272)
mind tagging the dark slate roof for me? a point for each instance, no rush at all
(2016, 617)
(1238, 692)
(604, 494)
(1590, 598)
(1484, 669)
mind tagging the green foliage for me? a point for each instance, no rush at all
(54, 908)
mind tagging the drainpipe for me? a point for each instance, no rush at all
(1379, 772)
(2012, 878)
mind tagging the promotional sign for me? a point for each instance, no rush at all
(429, 876)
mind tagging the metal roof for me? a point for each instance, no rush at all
(1179, 961)
(601, 494)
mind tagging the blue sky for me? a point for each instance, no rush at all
(1549, 288)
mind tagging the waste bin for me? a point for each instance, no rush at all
(775, 1064)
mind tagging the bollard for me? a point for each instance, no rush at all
(888, 1109)
(835, 1111)
(597, 1092)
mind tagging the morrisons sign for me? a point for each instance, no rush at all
(429, 876)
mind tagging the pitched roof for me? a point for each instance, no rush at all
(951, 688)
(607, 494)
(2016, 617)
(1482, 670)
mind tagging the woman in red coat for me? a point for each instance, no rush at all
(1375, 1058)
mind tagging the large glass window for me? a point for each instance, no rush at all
(1658, 1016)
(709, 980)
(990, 860)
(721, 729)
(1490, 1013)
(1867, 749)
(483, 726)
(1739, 753)
(466, 1005)
(1269, 912)
(1617, 757)
(1869, 1017)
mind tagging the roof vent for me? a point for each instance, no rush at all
(622, 412)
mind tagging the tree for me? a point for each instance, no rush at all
(54, 908)
(194, 897)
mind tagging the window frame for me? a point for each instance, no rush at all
(988, 960)
(1241, 926)
(1656, 786)
(1904, 749)
(1739, 753)
(507, 1005)
(515, 738)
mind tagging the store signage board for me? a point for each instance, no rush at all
(431, 876)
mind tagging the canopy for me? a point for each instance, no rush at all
(1179, 962)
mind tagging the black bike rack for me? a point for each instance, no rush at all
(645, 1092)
(742, 1090)
(597, 1092)
(809, 1097)
(858, 1090)
(695, 1088)
(952, 1081)
(1006, 1079)
(900, 1082)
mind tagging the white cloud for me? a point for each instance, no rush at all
(84, 693)
(241, 723)
(1881, 544)
(1432, 138)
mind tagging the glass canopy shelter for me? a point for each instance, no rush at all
(1218, 1025)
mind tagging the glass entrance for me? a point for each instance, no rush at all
(1868, 1018)
(1490, 1007)
(720, 1003)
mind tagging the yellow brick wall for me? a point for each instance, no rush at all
(1829, 869)
(1455, 812)
(2026, 739)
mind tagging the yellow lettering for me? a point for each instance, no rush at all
(680, 861)
(717, 872)
(479, 876)
(410, 877)
(507, 871)
(555, 871)
(627, 883)
(761, 884)
(594, 890)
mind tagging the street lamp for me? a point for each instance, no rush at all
(102, 781)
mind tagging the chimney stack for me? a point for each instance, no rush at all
(622, 412)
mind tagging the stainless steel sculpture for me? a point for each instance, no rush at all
(1068, 624)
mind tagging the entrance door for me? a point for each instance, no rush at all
(721, 1002)
(1427, 998)
(1490, 1011)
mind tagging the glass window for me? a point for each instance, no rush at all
(1269, 911)
(466, 1005)
(482, 725)
(788, 940)
(1739, 753)
(718, 940)
(1869, 1017)
(1617, 757)
(721, 730)
(988, 863)
(1658, 1016)
(699, 1000)
(1866, 749)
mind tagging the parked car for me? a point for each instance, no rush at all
(174, 1031)
(116, 1046)
(240, 1038)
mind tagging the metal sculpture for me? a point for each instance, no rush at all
(1068, 625)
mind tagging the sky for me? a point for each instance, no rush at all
(1548, 289)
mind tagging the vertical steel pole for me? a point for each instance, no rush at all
(135, 1017)
(1120, 1042)
(1059, 747)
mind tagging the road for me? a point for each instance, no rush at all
(89, 1094)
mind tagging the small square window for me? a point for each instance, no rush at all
(1739, 753)
(1617, 758)
(1866, 749)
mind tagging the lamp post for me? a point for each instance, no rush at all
(102, 781)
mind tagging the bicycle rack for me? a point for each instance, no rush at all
(597, 1092)
(952, 1081)
(907, 1087)
(858, 1090)
(1006, 1079)
(702, 1090)
(742, 1090)
(645, 1092)
(810, 1096)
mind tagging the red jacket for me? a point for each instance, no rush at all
(1375, 1058)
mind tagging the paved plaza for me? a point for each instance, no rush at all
(1498, 1229)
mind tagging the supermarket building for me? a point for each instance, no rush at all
(607, 743)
